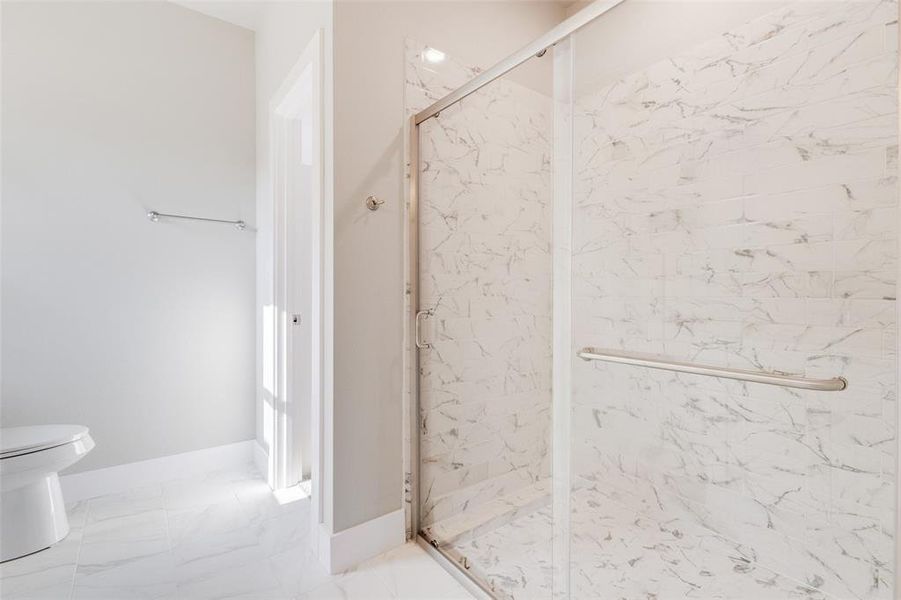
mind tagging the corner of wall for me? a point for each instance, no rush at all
(341, 551)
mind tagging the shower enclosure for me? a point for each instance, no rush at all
(652, 304)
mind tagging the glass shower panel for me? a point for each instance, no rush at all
(735, 204)
(485, 228)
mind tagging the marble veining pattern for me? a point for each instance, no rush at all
(485, 263)
(626, 551)
(737, 205)
(223, 536)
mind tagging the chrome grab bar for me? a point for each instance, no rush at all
(836, 384)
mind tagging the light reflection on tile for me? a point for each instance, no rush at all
(163, 542)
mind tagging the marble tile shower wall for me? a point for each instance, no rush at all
(485, 260)
(737, 205)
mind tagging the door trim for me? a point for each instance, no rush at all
(301, 96)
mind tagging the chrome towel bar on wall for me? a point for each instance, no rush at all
(836, 384)
(156, 216)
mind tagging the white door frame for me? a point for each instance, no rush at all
(297, 108)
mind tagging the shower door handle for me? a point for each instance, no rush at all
(417, 334)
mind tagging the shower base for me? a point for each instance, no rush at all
(617, 552)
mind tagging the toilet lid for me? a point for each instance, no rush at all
(19, 440)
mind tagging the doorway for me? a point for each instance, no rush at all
(295, 116)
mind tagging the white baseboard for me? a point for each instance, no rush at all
(345, 549)
(111, 480)
(261, 458)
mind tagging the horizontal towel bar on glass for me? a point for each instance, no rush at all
(836, 384)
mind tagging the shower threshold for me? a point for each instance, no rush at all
(619, 548)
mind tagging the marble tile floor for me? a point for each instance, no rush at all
(220, 537)
(621, 554)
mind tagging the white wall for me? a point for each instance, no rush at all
(369, 277)
(143, 332)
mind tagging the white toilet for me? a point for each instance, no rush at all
(32, 511)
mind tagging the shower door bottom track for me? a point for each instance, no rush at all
(458, 566)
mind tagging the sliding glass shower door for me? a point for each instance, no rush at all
(735, 205)
(657, 306)
(485, 323)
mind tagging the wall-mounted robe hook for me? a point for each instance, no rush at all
(373, 203)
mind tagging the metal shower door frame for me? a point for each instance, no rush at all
(536, 48)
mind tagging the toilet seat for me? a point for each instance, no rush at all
(32, 507)
(16, 441)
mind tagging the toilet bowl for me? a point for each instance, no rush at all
(32, 511)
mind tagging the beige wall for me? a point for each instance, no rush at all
(368, 47)
(369, 278)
